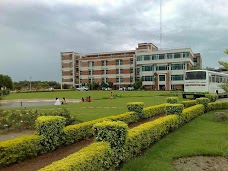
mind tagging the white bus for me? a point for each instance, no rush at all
(201, 82)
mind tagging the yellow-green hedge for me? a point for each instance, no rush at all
(191, 112)
(217, 105)
(188, 103)
(174, 109)
(212, 97)
(136, 107)
(151, 111)
(143, 135)
(94, 157)
(172, 100)
(18, 149)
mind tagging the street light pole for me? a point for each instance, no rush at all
(30, 84)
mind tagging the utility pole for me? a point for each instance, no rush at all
(30, 83)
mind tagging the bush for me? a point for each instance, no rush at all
(51, 129)
(172, 100)
(128, 117)
(191, 112)
(142, 136)
(174, 109)
(212, 97)
(188, 103)
(203, 101)
(136, 107)
(96, 156)
(18, 149)
(217, 105)
(151, 111)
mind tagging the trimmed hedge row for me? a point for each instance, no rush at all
(136, 107)
(217, 106)
(18, 149)
(151, 111)
(94, 157)
(191, 112)
(188, 103)
(174, 109)
(212, 97)
(171, 100)
(204, 101)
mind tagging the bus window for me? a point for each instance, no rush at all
(196, 75)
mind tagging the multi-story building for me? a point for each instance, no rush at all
(158, 69)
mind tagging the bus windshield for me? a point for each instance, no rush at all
(195, 75)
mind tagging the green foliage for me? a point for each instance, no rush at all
(138, 84)
(142, 136)
(188, 103)
(128, 117)
(203, 101)
(191, 112)
(212, 97)
(51, 129)
(136, 107)
(94, 157)
(113, 132)
(217, 106)
(172, 100)
(18, 149)
(5, 82)
(174, 109)
(151, 111)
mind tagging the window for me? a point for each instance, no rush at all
(161, 56)
(154, 57)
(197, 75)
(119, 62)
(177, 55)
(138, 70)
(103, 71)
(90, 80)
(169, 55)
(185, 55)
(139, 58)
(131, 61)
(177, 66)
(147, 68)
(119, 71)
(132, 70)
(146, 58)
(162, 68)
(147, 78)
(177, 77)
(80, 73)
(161, 77)
(90, 64)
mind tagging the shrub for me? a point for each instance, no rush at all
(136, 107)
(191, 112)
(51, 129)
(171, 100)
(96, 156)
(188, 103)
(113, 132)
(217, 105)
(174, 109)
(18, 149)
(142, 136)
(203, 101)
(151, 111)
(212, 97)
(128, 117)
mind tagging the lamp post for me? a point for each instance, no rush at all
(30, 83)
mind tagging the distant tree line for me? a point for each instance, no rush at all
(36, 85)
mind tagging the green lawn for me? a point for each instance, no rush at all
(101, 104)
(202, 136)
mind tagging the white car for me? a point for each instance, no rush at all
(82, 88)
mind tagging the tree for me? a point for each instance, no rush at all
(225, 65)
(6, 82)
(138, 84)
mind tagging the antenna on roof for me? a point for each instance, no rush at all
(160, 24)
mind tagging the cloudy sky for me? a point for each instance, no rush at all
(33, 33)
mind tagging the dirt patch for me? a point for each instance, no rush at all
(201, 163)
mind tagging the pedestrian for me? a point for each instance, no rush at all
(63, 101)
(111, 95)
(89, 99)
(83, 99)
(57, 101)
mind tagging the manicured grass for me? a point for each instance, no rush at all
(202, 136)
(101, 104)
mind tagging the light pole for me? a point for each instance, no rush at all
(30, 83)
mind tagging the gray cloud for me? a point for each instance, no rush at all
(34, 33)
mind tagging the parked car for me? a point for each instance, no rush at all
(82, 88)
(130, 88)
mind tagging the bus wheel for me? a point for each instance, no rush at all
(183, 96)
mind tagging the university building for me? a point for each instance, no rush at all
(158, 69)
